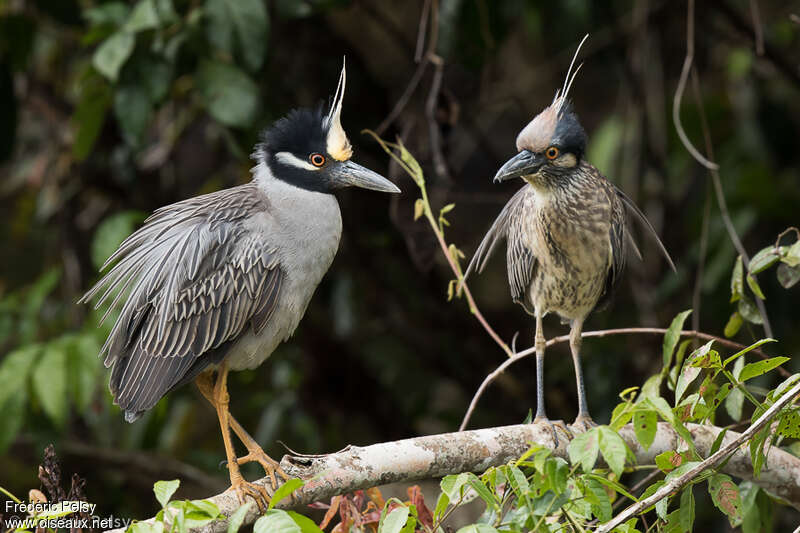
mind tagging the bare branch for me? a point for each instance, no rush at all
(452, 453)
(599, 333)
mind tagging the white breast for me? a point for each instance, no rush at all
(305, 227)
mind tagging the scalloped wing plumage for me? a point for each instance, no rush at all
(195, 278)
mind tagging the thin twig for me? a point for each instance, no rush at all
(645, 481)
(723, 205)
(676, 102)
(701, 263)
(757, 29)
(403, 100)
(676, 484)
(423, 29)
(600, 333)
(434, 134)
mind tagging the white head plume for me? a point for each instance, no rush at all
(337, 143)
(537, 134)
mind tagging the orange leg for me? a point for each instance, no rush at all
(217, 395)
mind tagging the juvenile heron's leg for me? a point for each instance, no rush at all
(217, 394)
(539, 344)
(583, 420)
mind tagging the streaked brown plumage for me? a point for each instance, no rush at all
(566, 231)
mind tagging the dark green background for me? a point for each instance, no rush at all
(86, 152)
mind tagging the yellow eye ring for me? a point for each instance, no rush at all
(317, 159)
(551, 153)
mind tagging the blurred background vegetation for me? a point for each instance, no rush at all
(109, 110)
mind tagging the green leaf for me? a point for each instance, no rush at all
(285, 490)
(597, 496)
(238, 516)
(276, 521)
(686, 510)
(113, 53)
(737, 280)
(306, 524)
(132, 109)
(143, 17)
(791, 255)
(735, 399)
(164, 490)
(765, 258)
(662, 408)
(94, 101)
(789, 425)
(15, 369)
(483, 492)
(114, 13)
(394, 521)
(477, 528)
(243, 22)
(745, 350)
(110, 234)
(413, 165)
(759, 368)
(452, 485)
(83, 369)
(613, 449)
(419, 208)
(584, 448)
(651, 388)
(49, 381)
(13, 409)
(749, 311)
(645, 424)
(229, 94)
(753, 284)
(672, 335)
(788, 276)
(725, 495)
(670, 460)
(734, 324)
(718, 441)
(690, 372)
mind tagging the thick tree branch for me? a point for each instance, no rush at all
(451, 453)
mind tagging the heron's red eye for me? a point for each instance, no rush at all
(317, 159)
(551, 152)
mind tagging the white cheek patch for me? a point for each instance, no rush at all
(291, 159)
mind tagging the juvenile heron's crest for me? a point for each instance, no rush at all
(337, 143)
(539, 132)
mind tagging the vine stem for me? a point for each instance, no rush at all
(715, 459)
(599, 333)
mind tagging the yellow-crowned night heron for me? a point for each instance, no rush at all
(215, 283)
(566, 231)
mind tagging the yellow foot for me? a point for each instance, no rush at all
(554, 427)
(244, 489)
(583, 424)
(270, 465)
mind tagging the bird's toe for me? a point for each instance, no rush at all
(582, 424)
(554, 427)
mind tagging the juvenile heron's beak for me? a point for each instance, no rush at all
(522, 164)
(350, 174)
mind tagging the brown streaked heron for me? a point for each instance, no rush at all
(566, 230)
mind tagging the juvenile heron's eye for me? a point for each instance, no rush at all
(551, 152)
(317, 159)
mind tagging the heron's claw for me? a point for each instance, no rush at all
(554, 428)
(245, 489)
(582, 424)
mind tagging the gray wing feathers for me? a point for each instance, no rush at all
(195, 277)
(521, 262)
(496, 233)
(646, 223)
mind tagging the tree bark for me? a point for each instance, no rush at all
(435, 456)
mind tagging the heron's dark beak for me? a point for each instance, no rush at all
(349, 174)
(522, 164)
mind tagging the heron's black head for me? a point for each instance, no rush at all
(309, 149)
